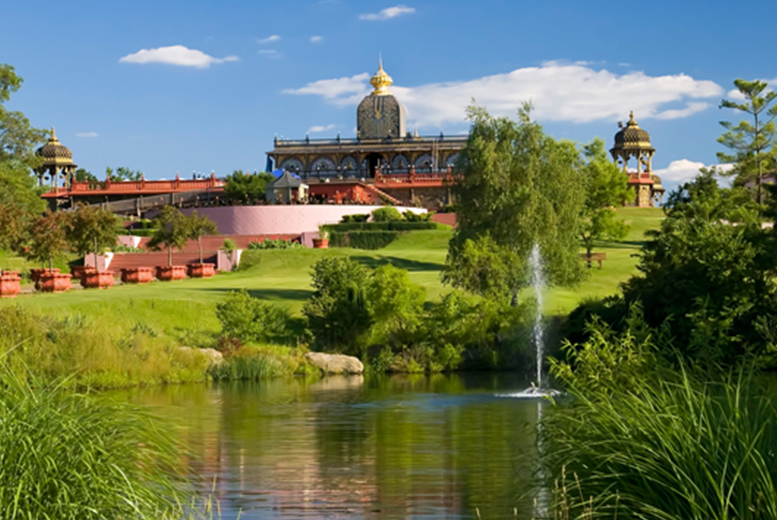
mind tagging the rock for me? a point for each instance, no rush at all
(335, 363)
(215, 357)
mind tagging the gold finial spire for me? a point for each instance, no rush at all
(632, 122)
(53, 133)
(381, 81)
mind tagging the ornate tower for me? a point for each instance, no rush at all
(380, 115)
(633, 141)
(56, 159)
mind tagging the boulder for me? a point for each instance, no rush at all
(214, 356)
(335, 363)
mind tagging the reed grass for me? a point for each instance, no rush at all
(67, 455)
(674, 448)
(254, 363)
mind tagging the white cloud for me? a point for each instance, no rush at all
(87, 134)
(270, 53)
(175, 55)
(316, 39)
(340, 91)
(269, 39)
(559, 92)
(388, 13)
(318, 128)
(684, 170)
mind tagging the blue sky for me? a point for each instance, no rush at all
(235, 73)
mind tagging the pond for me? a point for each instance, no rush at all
(441, 446)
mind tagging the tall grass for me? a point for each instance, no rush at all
(672, 448)
(253, 363)
(94, 353)
(66, 455)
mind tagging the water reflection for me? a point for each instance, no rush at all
(377, 447)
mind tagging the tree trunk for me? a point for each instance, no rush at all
(95, 254)
(51, 263)
(170, 256)
(199, 243)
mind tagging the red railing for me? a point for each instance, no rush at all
(130, 187)
(413, 179)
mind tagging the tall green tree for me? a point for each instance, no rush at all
(171, 230)
(606, 188)
(752, 143)
(91, 230)
(244, 188)
(122, 173)
(18, 141)
(83, 175)
(521, 187)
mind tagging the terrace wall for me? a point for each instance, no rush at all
(282, 219)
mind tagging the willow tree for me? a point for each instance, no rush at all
(521, 188)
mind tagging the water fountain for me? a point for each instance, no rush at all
(538, 283)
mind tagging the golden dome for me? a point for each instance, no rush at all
(632, 135)
(54, 151)
(381, 82)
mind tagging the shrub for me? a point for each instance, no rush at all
(121, 248)
(139, 232)
(250, 319)
(396, 225)
(386, 214)
(363, 239)
(72, 456)
(337, 314)
(355, 218)
(275, 243)
(229, 245)
(417, 217)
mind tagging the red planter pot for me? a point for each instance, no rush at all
(78, 271)
(167, 273)
(35, 275)
(9, 284)
(137, 274)
(96, 279)
(321, 243)
(54, 282)
(201, 270)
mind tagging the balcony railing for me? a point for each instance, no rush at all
(108, 187)
(440, 139)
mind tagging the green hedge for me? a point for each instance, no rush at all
(139, 232)
(363, 239)
(399, 225)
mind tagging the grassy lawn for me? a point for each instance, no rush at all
(186, 308)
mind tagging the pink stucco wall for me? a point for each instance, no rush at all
(282, 219)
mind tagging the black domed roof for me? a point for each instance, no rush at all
(54, 150)
(632, 134)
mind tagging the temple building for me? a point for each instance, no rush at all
(384, 153)
(633, 141)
